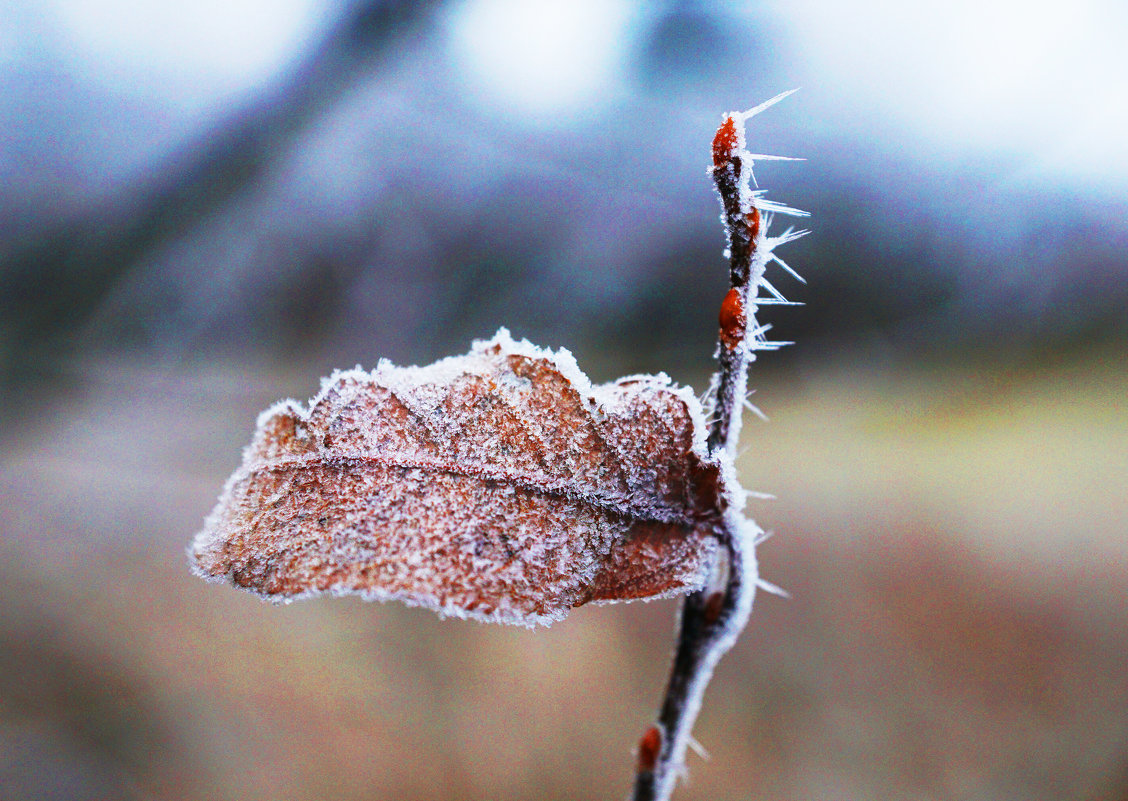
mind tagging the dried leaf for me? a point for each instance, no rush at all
(500, 485)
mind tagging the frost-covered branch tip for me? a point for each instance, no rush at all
(747, 217)
(712, 617)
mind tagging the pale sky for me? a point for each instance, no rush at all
(1037, 80)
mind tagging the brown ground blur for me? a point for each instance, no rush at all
(955, 545)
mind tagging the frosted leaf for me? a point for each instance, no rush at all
(500, 485)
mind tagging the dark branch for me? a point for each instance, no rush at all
(51, 287)
(712, 617)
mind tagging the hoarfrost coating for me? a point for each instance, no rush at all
(500, 485)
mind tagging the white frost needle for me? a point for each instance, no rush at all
(787, 267)
(767, 586)
(766, 284)
(777, 302)
(752, 112)
(755, 410)
(763, 204)
(790, 235)
(698, 748)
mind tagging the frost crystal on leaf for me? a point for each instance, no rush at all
(500, 485)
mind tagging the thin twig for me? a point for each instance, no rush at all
(712, 618)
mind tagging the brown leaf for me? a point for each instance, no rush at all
(499, 485)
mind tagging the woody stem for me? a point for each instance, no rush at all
(713, 616)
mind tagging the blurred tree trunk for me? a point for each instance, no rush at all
(51, 286)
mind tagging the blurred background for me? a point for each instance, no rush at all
(206, 206)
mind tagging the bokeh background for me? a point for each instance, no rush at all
(206, 206)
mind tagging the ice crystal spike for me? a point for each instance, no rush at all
(752, 112)
(500, 485)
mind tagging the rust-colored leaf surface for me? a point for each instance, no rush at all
(500, 485)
